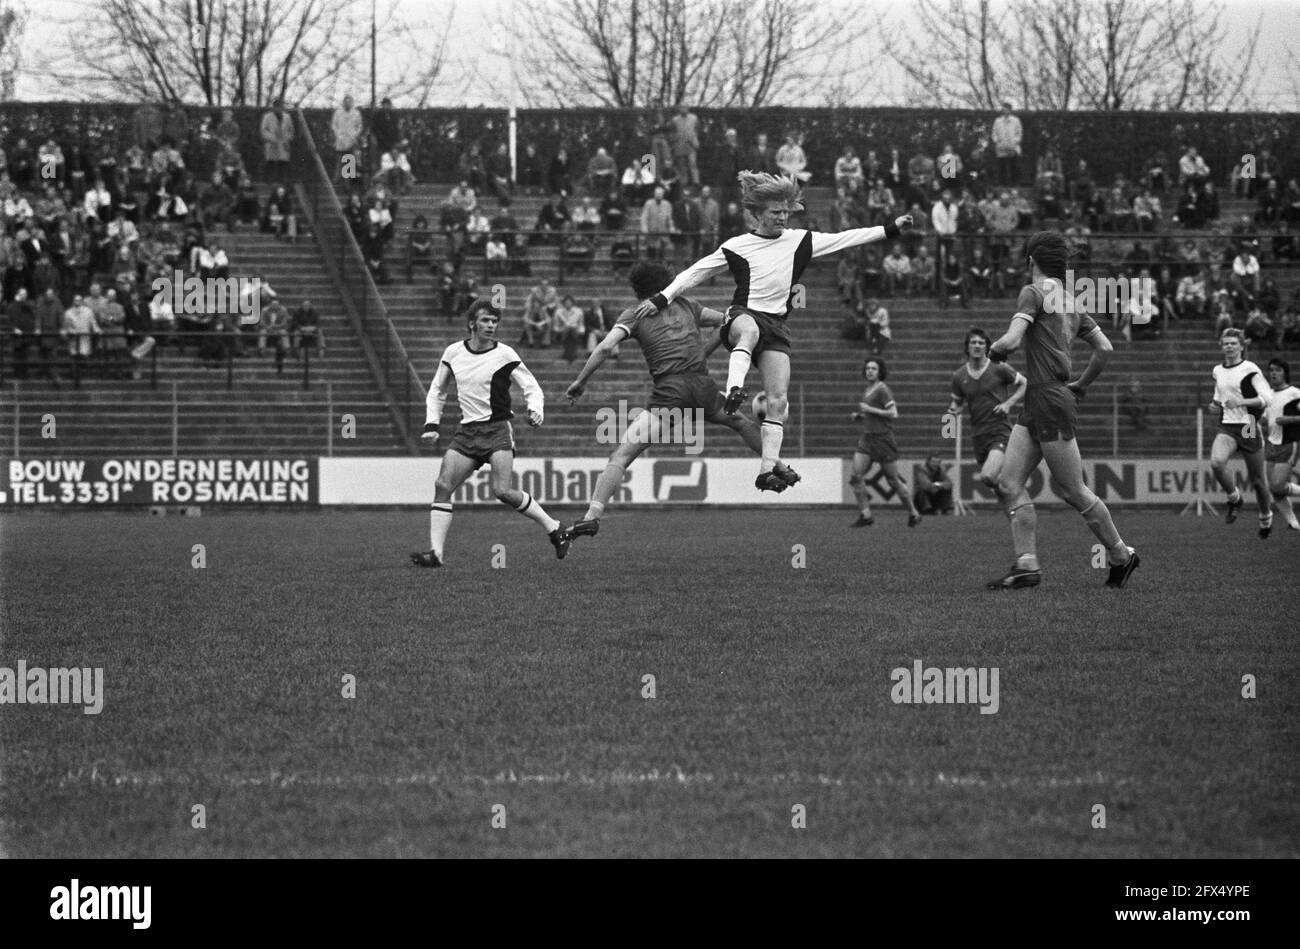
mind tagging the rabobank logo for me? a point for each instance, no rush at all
(681, 480)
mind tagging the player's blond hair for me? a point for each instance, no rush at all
(758, 189)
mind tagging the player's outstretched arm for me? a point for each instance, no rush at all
(597, 359)
(1101, 350)
(823, 244)
(695, 274)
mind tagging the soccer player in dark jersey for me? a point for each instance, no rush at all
(482, 369)
(1046, 322)
(1282, 424)
(877, 411)
(766, 264)
(991, 390)
(1240, 398)
(675, 355)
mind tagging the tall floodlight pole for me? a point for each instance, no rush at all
(372, 55)
(514, 99)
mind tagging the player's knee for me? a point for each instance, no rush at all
(777, 405)
(1079, 497)
(504, 494)
(442, 489)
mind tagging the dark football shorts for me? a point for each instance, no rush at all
(879, 445)
(1051, 412)
(986, 442)
(773, 333)
(1237, 433)
(695, 390)
(1283, 454)
(478, 441)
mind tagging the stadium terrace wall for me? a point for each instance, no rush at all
(291, 482)
(1109, 141)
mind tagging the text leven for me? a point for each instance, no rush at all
(37, 686)
(935, 686)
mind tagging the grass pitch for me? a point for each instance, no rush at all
(522, 686)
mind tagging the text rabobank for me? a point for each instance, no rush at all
(545, 480)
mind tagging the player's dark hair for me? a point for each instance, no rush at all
(880, 363)
(478, 306)
(976, 333)
(1050, 252)
(1284, 366)
(1236, 334)
(648, 278)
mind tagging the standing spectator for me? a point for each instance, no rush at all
(761, 158)
(944, 216)
(216, 203)
(709, 217)
(933, 492)
(949, 166)
(471, 166)
(539, 314)
(601, 172)
(277, 134)
(558, 177)
(498, 173)
(148, 122)
(897, 270)
(385, 129)
(346, 128)
(79, 329)
(48, 327)
(22, 331)
(1007, 136)
(923, 270)
(684, 139)
(732, 222)
(730, 164)
(1133, 403)
(530, 170)
(687, 223)
(920, 178)
(227, 131)
(657, 224)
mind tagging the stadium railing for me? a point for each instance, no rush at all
(46, 356)
(382, 345)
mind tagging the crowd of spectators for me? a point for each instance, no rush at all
(86, 232)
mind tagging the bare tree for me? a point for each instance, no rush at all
(244, 52)
(1075, 54)
(647, 53)
(13, 18)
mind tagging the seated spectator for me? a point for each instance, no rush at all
(50, 160)
(1210, 201)
(247, 205)
(498, 173)
(599, 321)
(274, 328)
(1120, 205)
(503, 222)
(792, 161)
(1291, 202)
(519, 265)
(462, 196)
(559, 178)
(586, 217)
(372, 249)
(638, 182)
(1137, 258)
(278, 217)
(848, 170)
(846, 279)
(1048, 174)
(1284, 243)
(1245, 270)
(923, 271)
(870, 273)
(382, 214)
(622, 255)
(220, 261)
(601, 172)
(1259, 328)
(1146, 211)
(1191, 295)
(497, 254)
(1222, 309)
(98, 202)
(395, 168)
(1166, 293)
(953, 279)
(16, 210)
(933, 491)
(897, 271)
(1050, 203)
(305, 330)
(920, 179)
(216, 203)
(539, 314)
(568, 327)
(354, 212)
(1133, 404)
(444, 286)
(1192, 169)
(1269, 201)
(880, 204)
(464, 291)
(1269, 297)
(949, 167)
(1289, 328)
(477, 230)
(1079, 185)
(613, 211)
(877, 326)
(419, 244)
(577, 252)
(553, 218)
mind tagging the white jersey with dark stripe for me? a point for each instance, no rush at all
(1242, 381)
(1283, 402)
(767, 268)
(482, 383)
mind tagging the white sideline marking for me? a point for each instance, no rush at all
(670, 776)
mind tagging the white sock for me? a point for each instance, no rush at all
(439, 522)
(738, 368)
(1288, 512)
(1235, 496)
(534, 511)
(773, 433)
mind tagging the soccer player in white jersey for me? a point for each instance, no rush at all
(1240, 398)
(1282, 424)
(482, 369)
(766, 264)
